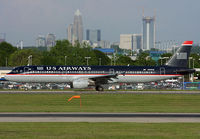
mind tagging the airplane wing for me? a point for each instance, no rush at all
(104, 78)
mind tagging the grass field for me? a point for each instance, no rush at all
(100, 130)
(100, 103)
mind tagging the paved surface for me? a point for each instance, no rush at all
(99, 92)
(101, 117)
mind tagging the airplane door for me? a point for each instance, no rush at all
(162, 70)
(111, 71)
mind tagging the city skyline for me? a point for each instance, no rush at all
(24, 20)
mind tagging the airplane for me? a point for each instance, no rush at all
(85, 76)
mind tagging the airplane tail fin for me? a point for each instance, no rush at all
(180, 58)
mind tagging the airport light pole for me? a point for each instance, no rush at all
(164, 58)
(189, 61)
(193, 63)
(191, 75)
(87, 58)
(29, 60)
(114, 59)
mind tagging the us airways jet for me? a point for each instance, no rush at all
(84, 76)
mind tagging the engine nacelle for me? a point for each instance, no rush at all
(80, 83)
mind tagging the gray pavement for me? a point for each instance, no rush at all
(101, 117)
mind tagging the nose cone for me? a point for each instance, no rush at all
(2, 78)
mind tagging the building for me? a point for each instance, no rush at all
(70, 33)
(126, 41)
(148, 32)
(130, 41)
(40, 41)
(20, 44)
(77, 28)
(137, 42)
(94, 36)
(104, 44)
(50, 41)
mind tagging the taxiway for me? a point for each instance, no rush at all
(101, 117)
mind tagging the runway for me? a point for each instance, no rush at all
(101, 117)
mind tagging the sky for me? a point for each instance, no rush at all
(26, 19)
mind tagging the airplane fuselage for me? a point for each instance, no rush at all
(61, 74)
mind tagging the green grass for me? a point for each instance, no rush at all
(100, 130)
(100, 103)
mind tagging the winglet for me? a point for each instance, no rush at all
(187, 43)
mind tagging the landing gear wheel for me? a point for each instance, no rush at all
(99, 88)
(71, 85)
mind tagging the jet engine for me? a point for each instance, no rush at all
(80, 83)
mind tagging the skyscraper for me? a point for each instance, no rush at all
(70, 33)
(41, 41)
(126, 41)
(137, 42)
(50, 41)
(94, 36)
(148, 33)
(77, 27)
(131, 41)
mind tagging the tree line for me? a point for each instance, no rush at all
(66, 54)
(61, 54)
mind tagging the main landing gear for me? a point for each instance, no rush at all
(99, 88)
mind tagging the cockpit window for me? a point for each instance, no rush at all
(15, 71)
